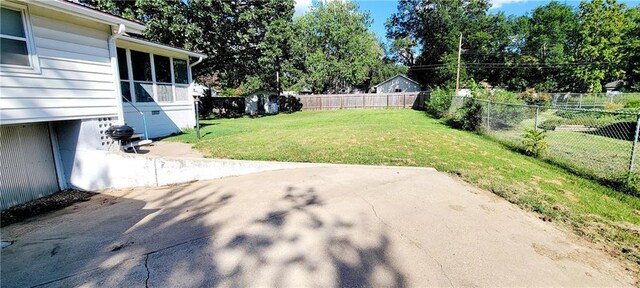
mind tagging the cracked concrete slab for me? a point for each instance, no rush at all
(336, 226)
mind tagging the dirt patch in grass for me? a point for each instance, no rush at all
(43, 205)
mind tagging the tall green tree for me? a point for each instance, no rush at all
(599, 49)
(631, 47)
(234, 34)
(552, 41)
(333, 48)
(436, 25)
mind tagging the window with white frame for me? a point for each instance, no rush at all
(15, 40)
(146, 77)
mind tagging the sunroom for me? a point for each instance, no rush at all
(156, 86)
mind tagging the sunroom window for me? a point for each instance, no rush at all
(152, 78)
(142, 80)
(181, 79)
(14, 41)
(163, 78)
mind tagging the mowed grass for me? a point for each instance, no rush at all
(410, 138)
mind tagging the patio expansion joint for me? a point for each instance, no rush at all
(412, 241)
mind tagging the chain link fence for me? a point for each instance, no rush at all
(590, 100)
(592, 142)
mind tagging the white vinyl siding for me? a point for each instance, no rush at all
(398, 84)
(76, 79)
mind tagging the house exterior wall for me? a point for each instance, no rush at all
(162, 118)
(75, 80)
(398, 82)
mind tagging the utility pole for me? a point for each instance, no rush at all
(458, 72)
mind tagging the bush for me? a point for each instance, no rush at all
(633, 104)
(468, 117)
(531, 97)
(472, 115)
(438, 103)
(533, 143)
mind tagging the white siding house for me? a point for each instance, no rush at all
(398, 84)
(60, 88)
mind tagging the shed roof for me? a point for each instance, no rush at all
(398, 75)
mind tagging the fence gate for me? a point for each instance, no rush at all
(27, 167)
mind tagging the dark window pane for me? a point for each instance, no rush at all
(11, 23)
(124, 90)
(163, 68)
(144, 92)
(141, 66)
(14, 52)
(122, 64)
(180, 71)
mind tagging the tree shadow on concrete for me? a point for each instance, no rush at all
(196, 235)
(297, 243)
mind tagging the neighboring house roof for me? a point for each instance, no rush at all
(91, 14)
(162, 46)
(399, 75)
(615, 84)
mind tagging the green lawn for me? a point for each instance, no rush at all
(410, 138)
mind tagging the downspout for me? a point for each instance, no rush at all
(114, 65)
(195, 106)
(197, 62)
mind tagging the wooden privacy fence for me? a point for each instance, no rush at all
(413, 100)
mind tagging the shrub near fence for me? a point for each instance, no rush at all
(594, 143)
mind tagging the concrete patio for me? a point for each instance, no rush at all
(338, 226)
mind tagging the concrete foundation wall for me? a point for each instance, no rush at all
(98, 170)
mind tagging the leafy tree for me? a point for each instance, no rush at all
(551, 42)
(404, 50)
(631, 48)
(234, 34)
(333, 48)
(436, 26)
(601, 23)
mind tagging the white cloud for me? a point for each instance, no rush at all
(499, 3)
(302, 6)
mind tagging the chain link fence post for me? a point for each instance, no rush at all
(488, 115)
(537, 117)
(635, 143)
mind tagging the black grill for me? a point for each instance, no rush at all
(119, 132)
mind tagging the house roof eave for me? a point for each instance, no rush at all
(403, 76)
(90, 14)
(162, 46)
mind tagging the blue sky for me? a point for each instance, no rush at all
(381, 10)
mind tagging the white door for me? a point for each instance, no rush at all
(27, 167)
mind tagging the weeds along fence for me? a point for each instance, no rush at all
(596, 143)
(362, 101)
